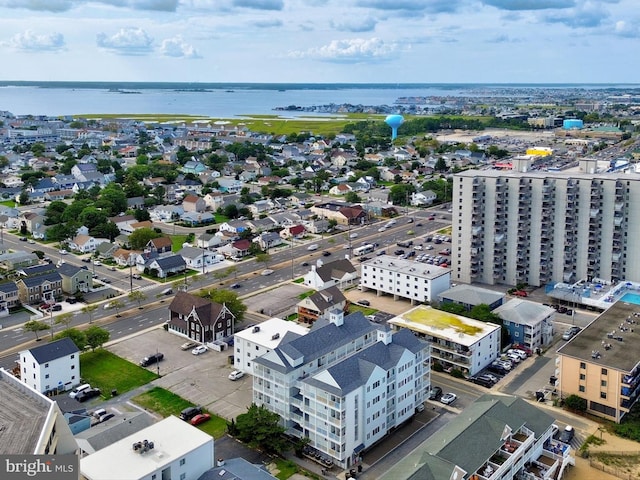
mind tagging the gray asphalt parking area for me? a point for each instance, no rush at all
(276, 301)
(200, 379)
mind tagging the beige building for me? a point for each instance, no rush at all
(542, 227)
(602, 362)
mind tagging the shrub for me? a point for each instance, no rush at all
(576, 403)
(457, 373)
(437, 367)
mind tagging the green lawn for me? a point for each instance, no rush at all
(304, 295)
(166, 403)
(8, 203)
(359, 308)
(108, 372)
(177, 241)
(220, 218)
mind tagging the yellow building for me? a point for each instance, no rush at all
(602, 363)
(540, 151)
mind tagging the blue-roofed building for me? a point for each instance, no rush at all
(344, 385)
(53, 366)
(166, 265)
(8, 297)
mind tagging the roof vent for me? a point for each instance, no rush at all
(275, 336)
(256, 329)
(143, 446)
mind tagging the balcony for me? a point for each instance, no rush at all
(594, 212)
(618, 221)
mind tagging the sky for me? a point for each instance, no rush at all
(321, 41)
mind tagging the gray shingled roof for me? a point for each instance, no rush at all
(172, 261)
(335, 269)
(8, 287)
(54, 350)
(51, 277)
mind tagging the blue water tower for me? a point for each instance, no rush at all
(394, 121)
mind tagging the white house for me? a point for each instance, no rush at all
(415, 281)
(456, 342)
(85, 243)
(168, 449)
(54, 366)
(344, 385)
(253, 342)
(199, 258)
(426, 197)
(337, 273)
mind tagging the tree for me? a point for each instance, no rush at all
(230, 211)
(352, 197)
(35, 326)
(331, 223)
(117, 304)
(260, 428)
(576, 403)
(263, 258)
(137, 296)
(89, 309)
(141, 236)
(229, 299)
(401, 194)
(64, 319)
(23, 199)
(96, 336)
(77, 336)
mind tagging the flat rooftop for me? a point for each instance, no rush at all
(458, 329)
(408, 267)
(624, 354)
(23, 413)
(267, 331)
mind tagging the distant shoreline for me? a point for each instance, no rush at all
(280, 87)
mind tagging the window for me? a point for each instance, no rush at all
(603, 395)
(603, 371)
(582, 376)
(73, 367)
(603, 383)
(581, 388)
(182, 461)
(46, 376)
(583, 366)
(183, 476)
(46, 365)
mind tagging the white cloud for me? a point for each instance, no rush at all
(64, 5)
(260, 4)
(270, 23)
(128, 41)
(32, 42)
(426, 6)
(357, 50)
(530, 4)
(626, 29)
(587, 15)
(177, 47)
(366, 24)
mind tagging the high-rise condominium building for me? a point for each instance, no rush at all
(541, 227)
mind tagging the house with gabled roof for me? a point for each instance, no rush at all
(84, 243)
(268, 240)
(40, 288)
(193, 203)
(319, 305)
(51, 367)
(293, 231)
(336, 273)
(199, 319)
(106, 249)
(13, 260)
(199, 258)
(9, 297)
(198, 218)
(159, 245)
(166, 265)
(125, 258)
(208, 240)
(75, 279)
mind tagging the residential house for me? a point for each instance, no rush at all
(300, 199)
(195, 167)
(40, 288)
(125, 258)
(44, 185)
(213, 200)
(58, 195)
(234, 226)
(193, 203)
(8, 297)
(164, 266)
(84, 171)
(359, 376)
(14, 260)
(199, 258)
(316, 226)
(51, 367)
(208, 241)
(285, 218)
(270, 180)
(426, 197)
(32, 221)
(470, 296)
(130, 227)
(267, 240)
(75, 279)
(165, 213)
(199, 319)
(123, 222)
(198, 218)
(336, 273)
(159, 245)
(84, 243)
(320, 304)
(135, 203)
(501, 436)
(343, 213)
(261, 225)
(296, 232)
(261, 206)
(341, 189)
(106, 249)
(229, 185)
(380, 209)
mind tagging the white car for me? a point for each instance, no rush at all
(448, 398)
(266, 272)
(235, 375)
(418, 247)
(313, 247)
(62, 251)
(382, 229)
(353, 235)
(97, 263)
(199, 349)
(31, 241)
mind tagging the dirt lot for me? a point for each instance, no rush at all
(583, 471)
(385, 303)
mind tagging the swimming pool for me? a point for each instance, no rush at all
(631, 298)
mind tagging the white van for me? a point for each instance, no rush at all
(313, 247)
(78, 389)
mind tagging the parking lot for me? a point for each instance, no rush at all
(200, 379)
(278, 301)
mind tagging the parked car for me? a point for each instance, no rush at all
(353, 235)
(106, 417)
(99, 412)
(31, 241)
(97, 263)
(151, 359)
(62, 251)
(86, 260)
(520, 293)
(366, 303)
(187, 345)
(266, 272)
(236, 374)
(23, 239)
(105, 280)
(88, 394)
(56, 308)
(235, 286)
(199, 350)
(326, 254)
(80, 388)
(567, 434)
(448, 398)
(200, 418)
(435, 393)
(313, 247)
(519, 353)
(136, 276)
(482, 381)
(190, 412)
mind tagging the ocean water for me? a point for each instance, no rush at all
(233, 99)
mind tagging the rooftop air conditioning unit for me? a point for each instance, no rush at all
(275, 336)
(256, 329)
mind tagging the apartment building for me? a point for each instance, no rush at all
(344, 385)
(528, 323)
(456, 342)
(31, 422)
(496, 438)
(602, 363)
(52, 367)
(414, 281)
(541, 227)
